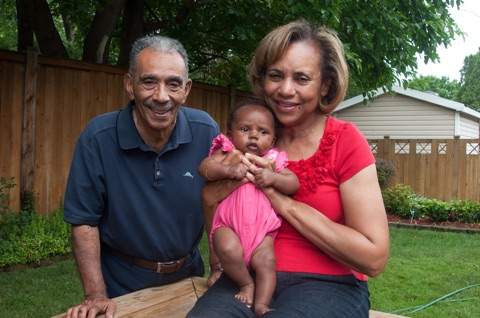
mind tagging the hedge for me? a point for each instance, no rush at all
(402, 201)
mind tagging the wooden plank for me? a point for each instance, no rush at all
(12, 76)
(462, 159)
(27, 160)
(173, 301)
(44, 138)
(432, 186)
(379, 314)
(80, 65)
(177, 307)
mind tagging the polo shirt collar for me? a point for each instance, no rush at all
(129, 138)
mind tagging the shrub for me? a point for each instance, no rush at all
(434, 209)
(399, 200)
(28, 237)
(402, 201)
(385, 172)
(465, 211)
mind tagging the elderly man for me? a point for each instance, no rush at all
(134, 194)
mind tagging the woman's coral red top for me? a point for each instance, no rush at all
(343, 152)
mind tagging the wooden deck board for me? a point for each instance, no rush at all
(173, 301)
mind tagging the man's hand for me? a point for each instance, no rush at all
(86, 249)
(237, 171)
(91, 307)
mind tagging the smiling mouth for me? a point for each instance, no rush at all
(160, 111)
(286, 106)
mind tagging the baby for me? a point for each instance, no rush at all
(245, 223)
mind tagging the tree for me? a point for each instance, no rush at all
(8, 33)
(469, 92)
(382, 37)
(35, 15)
(100, 31)
(444, 87)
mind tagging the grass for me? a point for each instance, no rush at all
(424, 265)
(39, 292)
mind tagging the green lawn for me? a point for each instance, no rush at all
(424, 265)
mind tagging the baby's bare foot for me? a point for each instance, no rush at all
(261, 309)
(214, 276)
(245, 295)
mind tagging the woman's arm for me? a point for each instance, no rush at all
(362, 243)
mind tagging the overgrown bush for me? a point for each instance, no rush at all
(385, 172)
(402, 201)
(28, 237)
(465, 211)
(399, 200)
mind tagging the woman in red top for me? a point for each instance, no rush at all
(335, 230)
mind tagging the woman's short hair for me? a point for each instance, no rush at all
(333, 66)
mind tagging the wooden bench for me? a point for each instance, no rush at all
(173, 301)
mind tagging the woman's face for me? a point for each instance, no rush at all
(293, 85)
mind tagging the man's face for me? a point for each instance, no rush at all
(159, 86)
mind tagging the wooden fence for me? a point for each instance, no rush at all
(45, 103)
(443, 169)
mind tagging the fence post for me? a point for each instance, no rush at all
(456, 167)
(386, 148)
(27, 159)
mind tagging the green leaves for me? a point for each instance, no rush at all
(469, 92)
(402, 201)
(466, 91)
(28, 237)
(444, 87)
(382, 37)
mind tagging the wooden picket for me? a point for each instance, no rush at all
(444, 169)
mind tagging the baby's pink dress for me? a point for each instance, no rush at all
(247, 211)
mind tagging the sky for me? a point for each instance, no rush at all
(451, 58)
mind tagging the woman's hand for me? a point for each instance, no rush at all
(260, 170)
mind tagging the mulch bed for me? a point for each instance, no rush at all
(428, 224)
(44, 262)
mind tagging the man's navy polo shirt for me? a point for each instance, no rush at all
(146, 204)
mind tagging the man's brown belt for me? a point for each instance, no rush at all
(159, 267)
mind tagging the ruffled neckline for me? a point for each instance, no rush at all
(313, 170)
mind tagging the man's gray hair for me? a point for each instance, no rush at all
(157, 43)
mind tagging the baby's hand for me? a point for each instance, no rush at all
(238, 171)
(264, 177)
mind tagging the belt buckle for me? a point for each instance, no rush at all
(164, 265)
